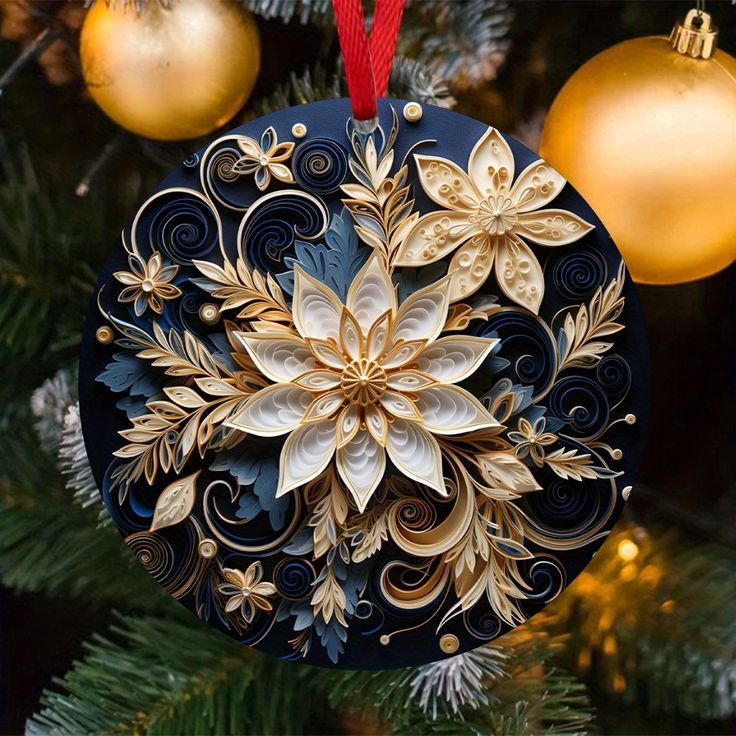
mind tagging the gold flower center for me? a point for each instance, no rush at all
(147, 285)
(497, 215)
(363, 381)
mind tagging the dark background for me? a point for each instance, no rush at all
(688, 467)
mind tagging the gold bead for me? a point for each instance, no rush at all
(298, 130)
(385, 639)
(207, 548)
(209, 313)
(104, 335)
(413, 112)
(145, 73)
(626, 492)
(449, 643)
(630, 419)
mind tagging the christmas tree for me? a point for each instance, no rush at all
(643, 641)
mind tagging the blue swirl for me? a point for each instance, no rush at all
(547, 577)
(274, 223)
(294, 578)
(581, 404)
(578, 273)
(614, 376)
(526, 343)
(481, 623)
(183, 227)
(320, 165)
(567, 510)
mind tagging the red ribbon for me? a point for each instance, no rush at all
(367, 62)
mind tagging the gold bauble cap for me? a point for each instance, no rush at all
(695, 36)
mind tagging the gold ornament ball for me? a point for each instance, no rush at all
(648, 136)
(170, 73)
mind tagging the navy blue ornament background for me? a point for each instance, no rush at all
(239, 509)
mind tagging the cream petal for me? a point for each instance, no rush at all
(402, 354)
(422, 316)
(491, 164)
(154, 265)
(281, 172)
(471, 266)
(272, 411)
(452, 410)
(327, 353)
(453, 359)
(433, 236)
(446, 183)
(399, 405)
(416, 454)
(167, 273)
(318, 380)
(409, 381)
(378, 336)
(324, 406)
(375, 422)
(536, 186)
(279, 356)
(306, 453)
(361, 464)
(348, 424)
(351, 338)
(505, 471)
(552, 227)
(371, 293)
(128, 279)
(316, 309)
(519, 274)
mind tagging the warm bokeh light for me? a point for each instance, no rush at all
(627, 550)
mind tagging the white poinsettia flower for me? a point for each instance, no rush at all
(486, 217)
(361, 380)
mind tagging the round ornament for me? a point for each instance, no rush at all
(170, 72)
(646, 131)
(414, 412)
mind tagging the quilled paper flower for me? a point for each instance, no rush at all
(148, 284)
(245, 591)
(487, 216)
(264, 160)
(363, 380)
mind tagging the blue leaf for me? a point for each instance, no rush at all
(335, 262)
(255, 464)
(128, 373)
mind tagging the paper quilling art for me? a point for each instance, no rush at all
(363, 400)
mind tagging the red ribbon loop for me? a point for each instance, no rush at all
(367, 62)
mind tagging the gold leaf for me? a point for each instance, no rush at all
(175, 502)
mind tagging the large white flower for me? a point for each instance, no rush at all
(361, 380)
(486, 217)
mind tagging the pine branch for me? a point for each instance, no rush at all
(463, 42)
(173, 675)
(410, 79)
(523, 695)
(305, 11)
(177, 675)
(655, 621)
(50, 543)
(58, 549)
(44, 280)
